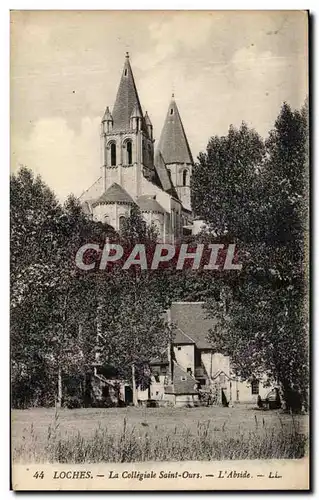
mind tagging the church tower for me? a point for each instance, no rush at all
(175, 150)
(130, 172)
(127, 138)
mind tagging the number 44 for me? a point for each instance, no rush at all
(38, 475)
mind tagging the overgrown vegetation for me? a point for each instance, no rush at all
(145, 442)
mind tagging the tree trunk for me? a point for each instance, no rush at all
(59, 398)
(134, 386)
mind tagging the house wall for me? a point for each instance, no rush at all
(214, 362)
(157, 390)
(186, 399)
(245, 395)
(113, 211)
(142, 395)
(185, 357)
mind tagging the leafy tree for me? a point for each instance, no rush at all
(132, 328)
(264, 327)
(52, 302)
(225, 189)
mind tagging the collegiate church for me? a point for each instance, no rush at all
(132, 172)
(159, 183)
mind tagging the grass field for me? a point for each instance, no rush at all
(140, 434)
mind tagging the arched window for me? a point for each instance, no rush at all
(113, 154)
(121, 222)
(185, 177)
(129, 152)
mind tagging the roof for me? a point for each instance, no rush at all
(149, 204)
(107, 115)
(162, 171)
(114, 194)
(86, 208)
(93, 192)
(181, 338)
(147, 119)
(183, 382)
(192, 323)
(126, 101)
(173, 143)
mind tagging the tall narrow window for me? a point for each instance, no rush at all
(121, 223)
(113, 154)
(150, 155)
(255, 386)
(129, 152)
(184, 177)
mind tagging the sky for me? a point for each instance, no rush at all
(224, 67)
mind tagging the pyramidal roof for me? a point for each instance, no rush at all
(114, 194)
(127, 100)
(173, 142)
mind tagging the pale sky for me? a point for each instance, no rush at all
(224, 68)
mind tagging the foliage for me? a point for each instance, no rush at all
(225, 186)
(263, 323)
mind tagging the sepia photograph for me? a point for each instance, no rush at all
(159, 250)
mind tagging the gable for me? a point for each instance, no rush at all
(192, 320)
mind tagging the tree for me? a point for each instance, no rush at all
(132, 328)
(53, 304)
(264, 328)
(225, 182)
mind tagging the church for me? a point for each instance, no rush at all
(133, 173)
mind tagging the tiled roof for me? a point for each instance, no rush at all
(149, 204)
(173, 142)
(93, 192)
(183, 382)
(126, 101)
(114, 194)
(181, 338)
(191, 319)
(162, 171)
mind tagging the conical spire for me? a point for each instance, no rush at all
(147, 119)
(126, 100)
(149, 125)
(173, 143)
(107, 116)
(136, 113)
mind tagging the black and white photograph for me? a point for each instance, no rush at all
(159, 250)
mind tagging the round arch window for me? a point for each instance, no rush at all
(113, 154)
(128, 152)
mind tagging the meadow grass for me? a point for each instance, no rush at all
(137, 435)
